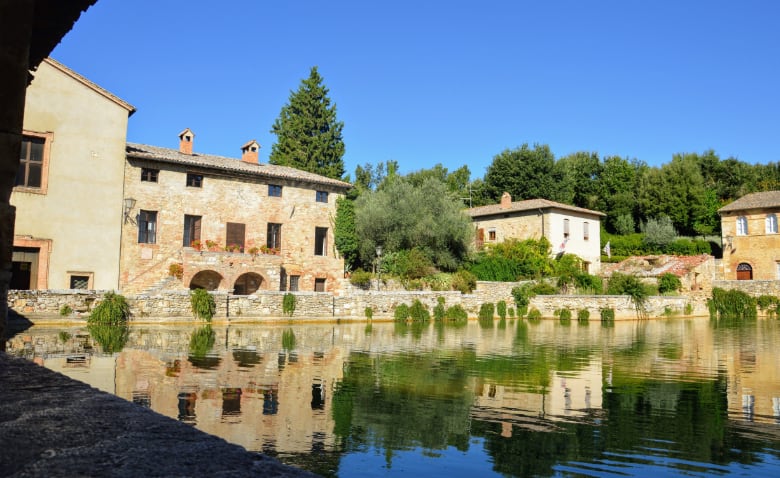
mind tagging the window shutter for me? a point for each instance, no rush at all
(235, 234)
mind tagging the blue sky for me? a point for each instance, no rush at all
(451, 82)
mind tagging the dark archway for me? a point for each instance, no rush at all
(247, 283)
(744, 271)
(208, 280)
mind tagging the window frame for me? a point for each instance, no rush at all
(585, 231)
(237, 232)
(294, 283)
(770, 223)
(321, 241)
(191, 231)
(274, 191)
(742, 226)
(322, 196)
(47, 138)
(90, 276)
(273, 236)
(150, 175)
(492, 234)
(147, 233)
(319, 284)
(194, 180)
(566, 228)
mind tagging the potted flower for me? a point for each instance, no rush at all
(196, 245)
(212, 245)
(253, 250)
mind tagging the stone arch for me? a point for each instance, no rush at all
(744, 271)
(207, 279)
(248, 283)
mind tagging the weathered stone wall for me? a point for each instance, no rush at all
(753, 288)
(758, 248)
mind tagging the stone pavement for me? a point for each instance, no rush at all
(51, 425)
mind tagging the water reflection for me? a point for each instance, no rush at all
(512, 398)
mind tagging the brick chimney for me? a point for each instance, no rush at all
(506, 200)
(186, 138)
(250, 152)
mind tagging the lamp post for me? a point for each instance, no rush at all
(378, 266)
(129, 203)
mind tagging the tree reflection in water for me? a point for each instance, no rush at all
(110, 338)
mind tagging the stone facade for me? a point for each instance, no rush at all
(201, 199)
(570, 230)
(751, 243)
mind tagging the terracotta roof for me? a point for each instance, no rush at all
(654, 266)
(221, 163)
(527, 205)
(94, 87)
(754, 201)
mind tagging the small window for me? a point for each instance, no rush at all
(274, 190)
(147, 227)
(149, 175)
(586, 231)
(80, 280)
(194, 180)
(319, 285)
(273, 238)
(742, 226)
(322, 196)
(491, 234)
(191, 230)
(33, 163)
(771, 224)
(321, 241)
(294, 283)
(234, 236)
(565, 228)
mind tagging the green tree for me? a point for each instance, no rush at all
(344, 232)
(618, 180)
(308, 133)
(578, 175)
(523, 172)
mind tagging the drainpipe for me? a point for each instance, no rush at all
(541, 214)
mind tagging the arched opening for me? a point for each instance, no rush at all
(208, 280)
(744, 271)
(247, 283)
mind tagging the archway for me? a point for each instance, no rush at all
(208, 280)
(744, 271)
(247, 283)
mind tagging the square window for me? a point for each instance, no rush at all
(234, 236)
(319, 285)
(321, 241)
(322, 196)
(79, 282)
(491, 235)
(742, 226)
(147, 227)
(274, 190)
(294, 283)
(194, 180)
(33, 163)
(149, 175)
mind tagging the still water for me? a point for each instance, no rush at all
(517, 398)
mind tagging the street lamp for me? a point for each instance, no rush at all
(378, 266)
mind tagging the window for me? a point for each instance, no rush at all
(491, 234)
(273, 238)
(742, 226)
(294, 283)
(771, 224)
(147, 227)
(322, 196)
(585, 231)
(191, 230)
(33, 163)
(194, 180)
(565, 228)
(319, 285)
(321, 241)
(149, 175)
(274, 190)
(80, 280)
(234, 236)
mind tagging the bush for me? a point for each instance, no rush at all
(511, 312)
(418, 312)
(439, 312)
(369, 312)
(439, 282)
(607, 315)
(401, 313)
(501, 309)
(112, 310)
(408, 264)
(534, 314)
(203, 305)
(659, 231)
(583, 315)
(176, 270)
(625, 284)
(669, 282)
(361, 279)
(464, 281)
(587, 283)
(288, 304)
(765, 302)
(522, 295)
(486, 311)
(65, 310)
(457, 313)
(731, 304)
(564, 315)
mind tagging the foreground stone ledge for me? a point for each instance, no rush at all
(51, 425)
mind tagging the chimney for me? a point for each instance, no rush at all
(506, 200)
(250, 152)
(185, 141)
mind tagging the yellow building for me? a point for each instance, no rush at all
(751, 243)
(68, 192)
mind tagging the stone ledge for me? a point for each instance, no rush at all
(51, 425)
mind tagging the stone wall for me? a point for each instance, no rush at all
(753, 288)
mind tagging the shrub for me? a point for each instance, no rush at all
(486, 311)
(625, 284)
(418, 312)
(669, 282)
(288, 304)
(564, 315)
(203, 305)
(583, 315)
(534, 314)
(659, 231)
(440, 281)
(361, 279)
(511, 312)
(457, 313)
(731, 304)
(765, 302)
(65, 310)
(501, 309)
(688, 308)
(176, 270)
(439, 312)
(607, 315)
(408, 264)
(64, 336)
(369, 312)
(464, 281)
(522, 295)
(543, 288)
(587, 283)
(112, 310)
(401, 313)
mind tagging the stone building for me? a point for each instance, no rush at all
(751, 244)
(68, 189)
(570, 229)
(204, 221)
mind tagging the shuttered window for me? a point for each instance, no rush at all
(274, 236)
(191, 229)
(147, 227)
(235, 235)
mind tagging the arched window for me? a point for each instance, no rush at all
(771, 224)
(744, 271)
(742, 226)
